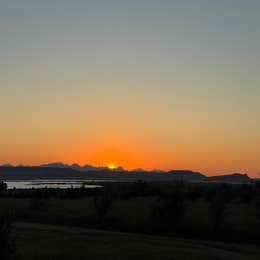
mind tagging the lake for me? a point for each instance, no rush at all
(62, 184)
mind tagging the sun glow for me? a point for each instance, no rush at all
(111, 166)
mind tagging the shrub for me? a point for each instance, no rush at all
(7, 239)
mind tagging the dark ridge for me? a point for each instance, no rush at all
(187, 175)
(39, 172)
(233, 178)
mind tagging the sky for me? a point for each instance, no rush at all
(169, 84)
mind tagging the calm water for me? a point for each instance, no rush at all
(62, 184)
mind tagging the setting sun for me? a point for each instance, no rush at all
(111, 166)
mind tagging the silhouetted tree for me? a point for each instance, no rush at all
(7, 239)
(217, 207)
(257, 201)
(3, 186)
(171, 206)
(246, 193)
(103, 204)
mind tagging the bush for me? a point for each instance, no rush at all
(103, 204)
(3, 186)
(170, 206)
(7, 239)
(217, 207)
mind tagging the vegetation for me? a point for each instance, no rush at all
(7, 239)
(170, 206)
(103, 203)
(212, 212)
(3, 186)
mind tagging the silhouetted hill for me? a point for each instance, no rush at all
(85, 168)
(35, 172)
(55, 165)
(187, 175)
(65, 172)
(232, 178)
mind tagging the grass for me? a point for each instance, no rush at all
(38, 241)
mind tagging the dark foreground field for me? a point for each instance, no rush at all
(170, 220)
(39, 241)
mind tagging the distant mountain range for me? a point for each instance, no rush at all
(77, 167)
(75, 171)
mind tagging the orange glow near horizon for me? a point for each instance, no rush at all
(111, 166)
(112, 150)
(131, 152)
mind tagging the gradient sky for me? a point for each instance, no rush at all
(142, 83)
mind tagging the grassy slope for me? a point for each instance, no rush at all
(37, 241)
(131, 213)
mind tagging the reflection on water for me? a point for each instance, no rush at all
(62, 184)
